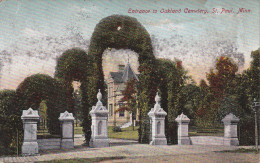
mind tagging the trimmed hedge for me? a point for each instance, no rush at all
(11, 128)
(75, 65)
(124, 32)
(38, 87)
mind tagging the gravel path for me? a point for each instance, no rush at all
(135, 152)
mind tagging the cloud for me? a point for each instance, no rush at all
(28, 32)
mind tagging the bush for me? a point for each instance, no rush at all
(10, 123)
(117, 129)
(36, 88)
(246, 130)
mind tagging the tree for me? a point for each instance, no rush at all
(219, 78)
(173, 78)
(254, 74)
(189, 99)
(130, 98)
(11, 128)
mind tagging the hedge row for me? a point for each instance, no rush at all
(124, 32)
(11, 133)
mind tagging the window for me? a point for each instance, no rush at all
(110, 91)
(121, 113)
(111, 109)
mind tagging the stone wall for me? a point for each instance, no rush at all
(206, 140)
(49, 143)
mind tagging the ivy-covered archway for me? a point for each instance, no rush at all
(38, 87)
(75, 65)
(124, 32)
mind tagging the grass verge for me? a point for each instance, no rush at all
(241, 150)
(127, 133)
(85, 160)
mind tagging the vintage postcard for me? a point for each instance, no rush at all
(129, 81)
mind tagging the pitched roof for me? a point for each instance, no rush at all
(129, 73)
(123, 77)
(117, 76)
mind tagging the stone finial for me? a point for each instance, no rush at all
(157, 110)
(182, 118)
(99, 97)
(66, 116)
(230, 118)
(157, 98)
(30, 113)
(99, 106)
(157, 105)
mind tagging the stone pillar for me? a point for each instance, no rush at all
(230, 131)
(30, 119)
(157, 118)
(183, 130)
(67, 130)
(99, 115)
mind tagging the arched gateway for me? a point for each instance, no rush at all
(124, 32)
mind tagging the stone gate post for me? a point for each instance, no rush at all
(30, 119)
(99, 115)
(183, 129)
(67, 130)
(157, 117)
(230, 131)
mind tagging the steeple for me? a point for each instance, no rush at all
(129, 73)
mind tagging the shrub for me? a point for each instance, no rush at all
(117, 129)
(38, 87)
(10, 123)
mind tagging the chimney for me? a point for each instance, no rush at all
(121, 68)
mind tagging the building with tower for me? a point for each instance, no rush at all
(116, 83)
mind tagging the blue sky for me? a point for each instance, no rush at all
(35, 32)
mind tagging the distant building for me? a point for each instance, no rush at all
(116, 83)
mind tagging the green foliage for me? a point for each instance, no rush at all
(221, 79)
(172, 78)
(228, 105)
(36, 88)
(75, 65)
(131, 35)
(230, 92)
(86, 107)
(117, 129)
(223, 74)
(253, 74)
(130, 98)
(11, 128)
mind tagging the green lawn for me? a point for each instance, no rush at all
(241, 150)
(78, 130)
(193, 131)
(127, 133)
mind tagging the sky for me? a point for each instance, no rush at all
(34, 33)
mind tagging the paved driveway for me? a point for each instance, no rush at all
(135, 152)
